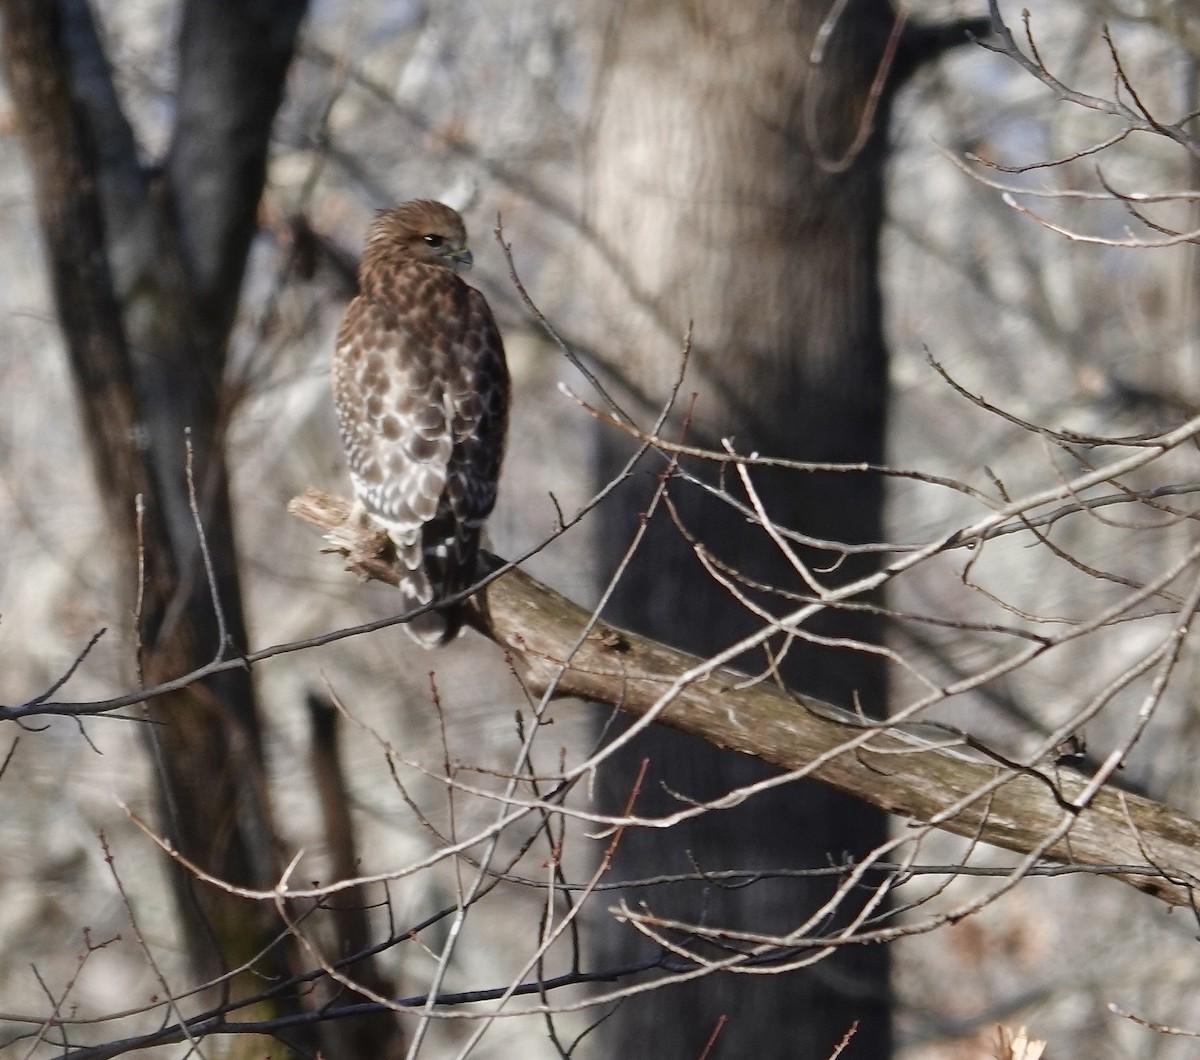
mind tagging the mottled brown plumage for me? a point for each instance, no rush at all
(421, 389)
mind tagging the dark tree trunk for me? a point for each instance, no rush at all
(146, 270)
(728, 178)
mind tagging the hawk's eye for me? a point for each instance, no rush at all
(433, 241)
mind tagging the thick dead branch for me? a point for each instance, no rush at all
(907, 770)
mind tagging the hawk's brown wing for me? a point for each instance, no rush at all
(421, 390)
(390, 390)
(479, 401)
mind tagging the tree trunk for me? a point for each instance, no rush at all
(727, 180)
(145, 318)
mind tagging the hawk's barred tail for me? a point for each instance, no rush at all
(437, 627)
(442, 563)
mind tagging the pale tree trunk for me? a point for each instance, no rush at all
(726, 181)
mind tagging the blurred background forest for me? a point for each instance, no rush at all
(505, 109)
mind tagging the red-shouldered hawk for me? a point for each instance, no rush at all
(421, 388)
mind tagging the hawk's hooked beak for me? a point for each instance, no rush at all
(462, 257)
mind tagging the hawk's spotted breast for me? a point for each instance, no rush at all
(421, 389)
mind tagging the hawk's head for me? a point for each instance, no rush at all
(421, 230)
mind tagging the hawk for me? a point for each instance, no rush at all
(422, 391)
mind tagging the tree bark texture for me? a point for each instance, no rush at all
(728, 177)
